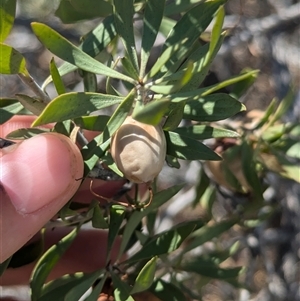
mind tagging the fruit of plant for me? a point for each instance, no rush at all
(139, 150)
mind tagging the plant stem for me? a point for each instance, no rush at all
(33, 85)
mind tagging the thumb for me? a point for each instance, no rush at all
(38, 177)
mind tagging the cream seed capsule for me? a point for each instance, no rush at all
(139, 150)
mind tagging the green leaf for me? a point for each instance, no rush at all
(206, 233)
(216, 30)
(117, 214)
(153, 15)
(47, 262)
(152, 113)
(201, 186)
(123, 15)
(98, 220)
(183, 147)
(11, 61)
(4, 265)
(59, 287)
(212, 107)
(283, 106)
(201, 132)
(70, 11)
(93, 43)
(174, 117)
(8, 108)
(273, 133)
(92, 123)
(129, 68)
(31, 104)
(206, 108)
(231, 81)
(166, 26)
(179, 6)
(207, 200)
(57, 81)
(241, 87)
(25, 133)
(75, 104)
(294, 149)
(190, 26)
(89, 81)
(158, 200)
(7, 17)
(97, 147)
(65, 50)
(166, 89)
(165, 242)
(202, 66)
(207, 268)
(145, 277)
(122, 289)
(64, 127)
(167, 291)
(97, 290)
(249, 169)
(172, 162)
(86, 282)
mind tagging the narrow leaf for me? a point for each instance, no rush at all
(117, 214)
(190, 26)
(71, 11)
(212, 107)
(158, 200)
(59, 287)
(58, 83)
(153, 15)
(4, 265)
(122, 289)
(97, 290)
(92, 123)
(93, 43)
(176, 7)
(98, 220)
(86, 282)
(209, 269)
(48, 261)
(145, 277)
(249, 170)
(201, 132)
(25, 133)
(207, 233)
(8, 108)
(65, 50)
(7, 17)
(75, 104)
(167, 291)
(216, 31)
(123, 16)
(11, 61)
(165, 242)
(31, 104)
(96, 148)
(152, 113)
(183, 147)
(174, 117)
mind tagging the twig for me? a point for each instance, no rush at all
(33, 85)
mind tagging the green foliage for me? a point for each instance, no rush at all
(7, 14)
(164, 94)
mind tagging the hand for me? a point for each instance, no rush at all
(38, 177)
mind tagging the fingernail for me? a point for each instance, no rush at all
(39, 171)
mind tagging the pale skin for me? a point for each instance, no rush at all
(38, 177)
